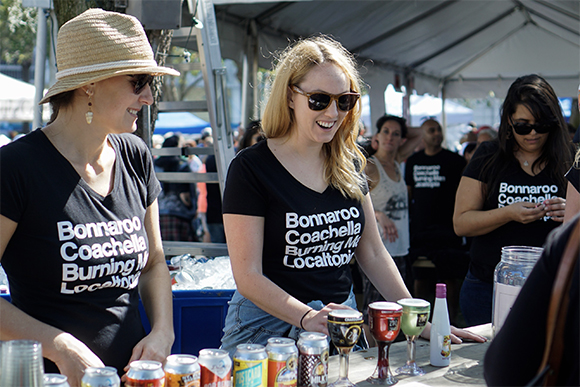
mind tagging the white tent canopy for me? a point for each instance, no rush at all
(457, 48)
(17, 100)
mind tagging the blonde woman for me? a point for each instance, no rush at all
(296, 205)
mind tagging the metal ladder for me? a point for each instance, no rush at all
(214, 76)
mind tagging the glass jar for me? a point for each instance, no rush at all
(510, 274)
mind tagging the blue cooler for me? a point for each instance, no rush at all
(198, 319)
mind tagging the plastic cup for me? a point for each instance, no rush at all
(22, 364)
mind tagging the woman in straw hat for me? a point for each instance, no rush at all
(79, 229)
(296, 206)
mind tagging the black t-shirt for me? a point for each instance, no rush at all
(75, 258)
(433, 181)
(309, 237)
(515, 186)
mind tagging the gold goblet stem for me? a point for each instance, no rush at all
(411, 349)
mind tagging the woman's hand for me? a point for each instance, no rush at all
(316, 320)
(555, 207)
(526, 212)
(155, 346)
(388, 227)
(456, 335)
(73, 357)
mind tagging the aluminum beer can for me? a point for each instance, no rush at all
(145, 373)
(215, 368)
(282, 362)
(312, 359)
(250, 366)
(55, 380)
(181, 371)
(100, 377)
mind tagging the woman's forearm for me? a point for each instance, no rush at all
(385, 276)
(155, 282)
(157, 297)
(469, 217)
(376, 262)
(477, 222)
(572, 202)
(17, 325)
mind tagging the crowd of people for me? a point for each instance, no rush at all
(192, 212)
(83, 214)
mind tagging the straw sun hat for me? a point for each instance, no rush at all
(98, 45)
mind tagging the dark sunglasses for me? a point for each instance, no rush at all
(523, 128)
(319, 101)
(140, 81)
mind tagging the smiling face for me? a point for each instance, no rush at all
(532, 142)
(318, 126)
(115, 104)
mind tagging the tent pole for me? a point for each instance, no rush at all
(39, 67)
(409, 86)
(255, 98)
(245, 70)
(376, 101)
(443, 113)
(253, 44)
(147, 135)
(407, 106)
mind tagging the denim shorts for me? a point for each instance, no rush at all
(475, 300)
(246, 323)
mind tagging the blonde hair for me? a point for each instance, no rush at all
(345, 163)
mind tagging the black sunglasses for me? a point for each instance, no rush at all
(319, 101)
(140, 81)
(523, 128)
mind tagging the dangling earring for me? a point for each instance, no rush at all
(508, 135)
(89, 114)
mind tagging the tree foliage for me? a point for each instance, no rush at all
(67, 9)
(17, 32)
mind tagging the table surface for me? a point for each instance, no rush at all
(466, 366)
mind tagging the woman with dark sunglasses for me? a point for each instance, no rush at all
(512, 192)
(79, 223)
(296, 205)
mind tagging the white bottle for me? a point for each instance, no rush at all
(440, 329)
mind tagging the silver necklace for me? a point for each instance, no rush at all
(524, 161)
